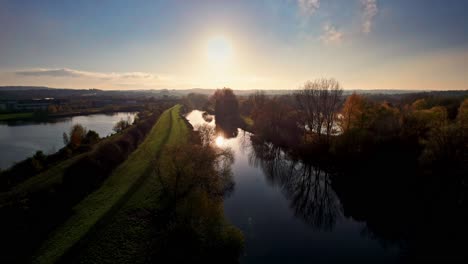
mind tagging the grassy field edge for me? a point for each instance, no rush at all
(99, 205)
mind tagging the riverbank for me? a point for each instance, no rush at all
(98, 206)
(16, 116)
(20, 140)
(131, 210)
(44, 116)
(35, 207)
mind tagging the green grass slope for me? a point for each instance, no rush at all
(13, 116)
(127, 237)
(115, 191)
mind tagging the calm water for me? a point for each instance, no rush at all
(21, 140)
(289, 212)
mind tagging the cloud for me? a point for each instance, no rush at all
(49, 72)
(370, 10)
(64, 72)
(331, 35)
(308, 7)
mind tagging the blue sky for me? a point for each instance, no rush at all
(365, 44)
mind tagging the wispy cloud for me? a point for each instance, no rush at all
(308, 7)
(331, 35)
(65, 72)
(370, 10)
(49, 72)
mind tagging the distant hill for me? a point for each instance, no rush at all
(27, 92)
(23, 88)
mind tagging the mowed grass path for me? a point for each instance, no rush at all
(92, 213)
(129, 235)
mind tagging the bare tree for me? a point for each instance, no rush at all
(122, 125)
(331, 105)
(319, 103)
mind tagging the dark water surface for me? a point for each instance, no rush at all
(289, 212)
(20, 140)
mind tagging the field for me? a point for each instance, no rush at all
(14, 116)
(117, 191)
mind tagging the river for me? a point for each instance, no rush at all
(19, 140)
(288, 211)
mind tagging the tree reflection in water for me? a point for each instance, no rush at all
(307, 187)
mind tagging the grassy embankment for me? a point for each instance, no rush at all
(127, 236)
(152, 227)
(45, 180)
(16, 116)
(114, 192)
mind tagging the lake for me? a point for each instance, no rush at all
(288, 210)
(19, 140)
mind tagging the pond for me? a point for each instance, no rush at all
(20, 140)
(288, 210)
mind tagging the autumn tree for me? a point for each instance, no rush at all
(359, 113)
(76, 135)
(352, 112)
(52, 109)
(419, 104)
(445, 141)
(462, 117)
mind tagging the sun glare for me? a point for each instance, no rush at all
(219, 141)
(219, 49)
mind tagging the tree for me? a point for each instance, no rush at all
(385, 119)
(92, 137)
(77, 134)
(352, 112)
(419, 104)
(52, 109)
(318, 102)
(66, 140)
(462, 117)
(121, 125)
(276, 121)
(257, 101)
(226, 108)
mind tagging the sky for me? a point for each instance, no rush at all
(269, 44)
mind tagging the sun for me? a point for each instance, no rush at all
(219, 49)
(219, 141)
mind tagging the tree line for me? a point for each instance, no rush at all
(397, 162)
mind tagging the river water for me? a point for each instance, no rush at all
(288, 211)
(19, 140)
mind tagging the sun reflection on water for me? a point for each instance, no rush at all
(219, 141)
